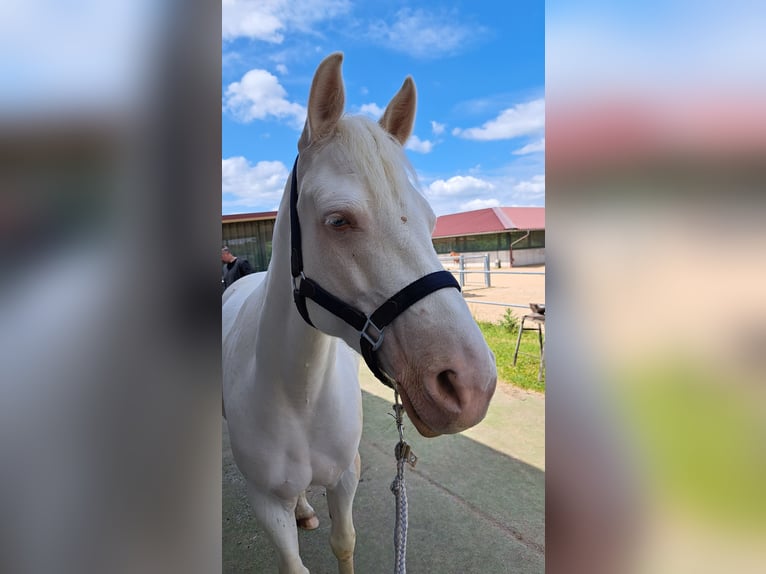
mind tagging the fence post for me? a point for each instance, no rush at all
(462, 271)
(487, 282)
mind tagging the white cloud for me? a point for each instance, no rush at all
(282, 69)
(522, 119)
(268, 20)
(372, 110)
(259, 95)
(418, 145)
(424, 34)
(469, 192)
(458, 185)
(533, 186)
(250, 19)
(258, 186)
(479, 204)
(531, 148)
(437, 128)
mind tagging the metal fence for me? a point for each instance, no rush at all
(465, 266)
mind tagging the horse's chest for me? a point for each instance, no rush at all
(301, 446)
(333, 443)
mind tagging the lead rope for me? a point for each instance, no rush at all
(403, 454)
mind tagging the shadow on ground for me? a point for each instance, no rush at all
(472, 509)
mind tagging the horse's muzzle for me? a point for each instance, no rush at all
(451, 400)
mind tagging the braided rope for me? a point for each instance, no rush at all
(398, 488)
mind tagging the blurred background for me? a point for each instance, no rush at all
(655, 426)
(109, 296)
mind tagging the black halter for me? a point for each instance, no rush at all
(370, 327)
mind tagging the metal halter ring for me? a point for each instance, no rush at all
(365, 335)
(297, 280)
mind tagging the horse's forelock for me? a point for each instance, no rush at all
(373, 154)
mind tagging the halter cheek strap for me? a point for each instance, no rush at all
(371, 328)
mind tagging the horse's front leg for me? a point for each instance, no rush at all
(340, 499)
(277, 517)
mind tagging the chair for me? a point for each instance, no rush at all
(537, 318)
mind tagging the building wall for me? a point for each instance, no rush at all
(522, 257)
(250, 240)
(528, 247)
(473, 243)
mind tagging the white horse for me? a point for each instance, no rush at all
(358, 228)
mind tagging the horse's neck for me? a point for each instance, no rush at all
(287, 334)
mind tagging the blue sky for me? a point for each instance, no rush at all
(479, 69)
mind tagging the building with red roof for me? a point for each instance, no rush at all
(507, 233)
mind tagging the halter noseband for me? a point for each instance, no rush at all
(371, 328)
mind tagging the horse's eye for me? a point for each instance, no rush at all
(338, 222)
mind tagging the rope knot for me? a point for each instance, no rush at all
(396, 485)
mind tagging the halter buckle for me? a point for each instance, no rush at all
(296, 281)
(375, 339)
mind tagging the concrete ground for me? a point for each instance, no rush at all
(476, 500)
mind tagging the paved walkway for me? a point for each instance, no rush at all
(476, 500)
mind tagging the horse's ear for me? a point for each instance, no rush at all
(399, 117)
(326, 100)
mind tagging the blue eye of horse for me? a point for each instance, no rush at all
(338, 222)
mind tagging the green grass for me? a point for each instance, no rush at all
(503, 343)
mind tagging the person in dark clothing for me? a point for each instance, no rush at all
(234, 267)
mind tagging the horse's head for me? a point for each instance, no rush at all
(366, 234)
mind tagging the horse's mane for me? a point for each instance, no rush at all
(374, 153)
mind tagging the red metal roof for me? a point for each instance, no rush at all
(490, 220)
(261, 215)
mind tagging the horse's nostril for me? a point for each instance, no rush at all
(446, 382)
